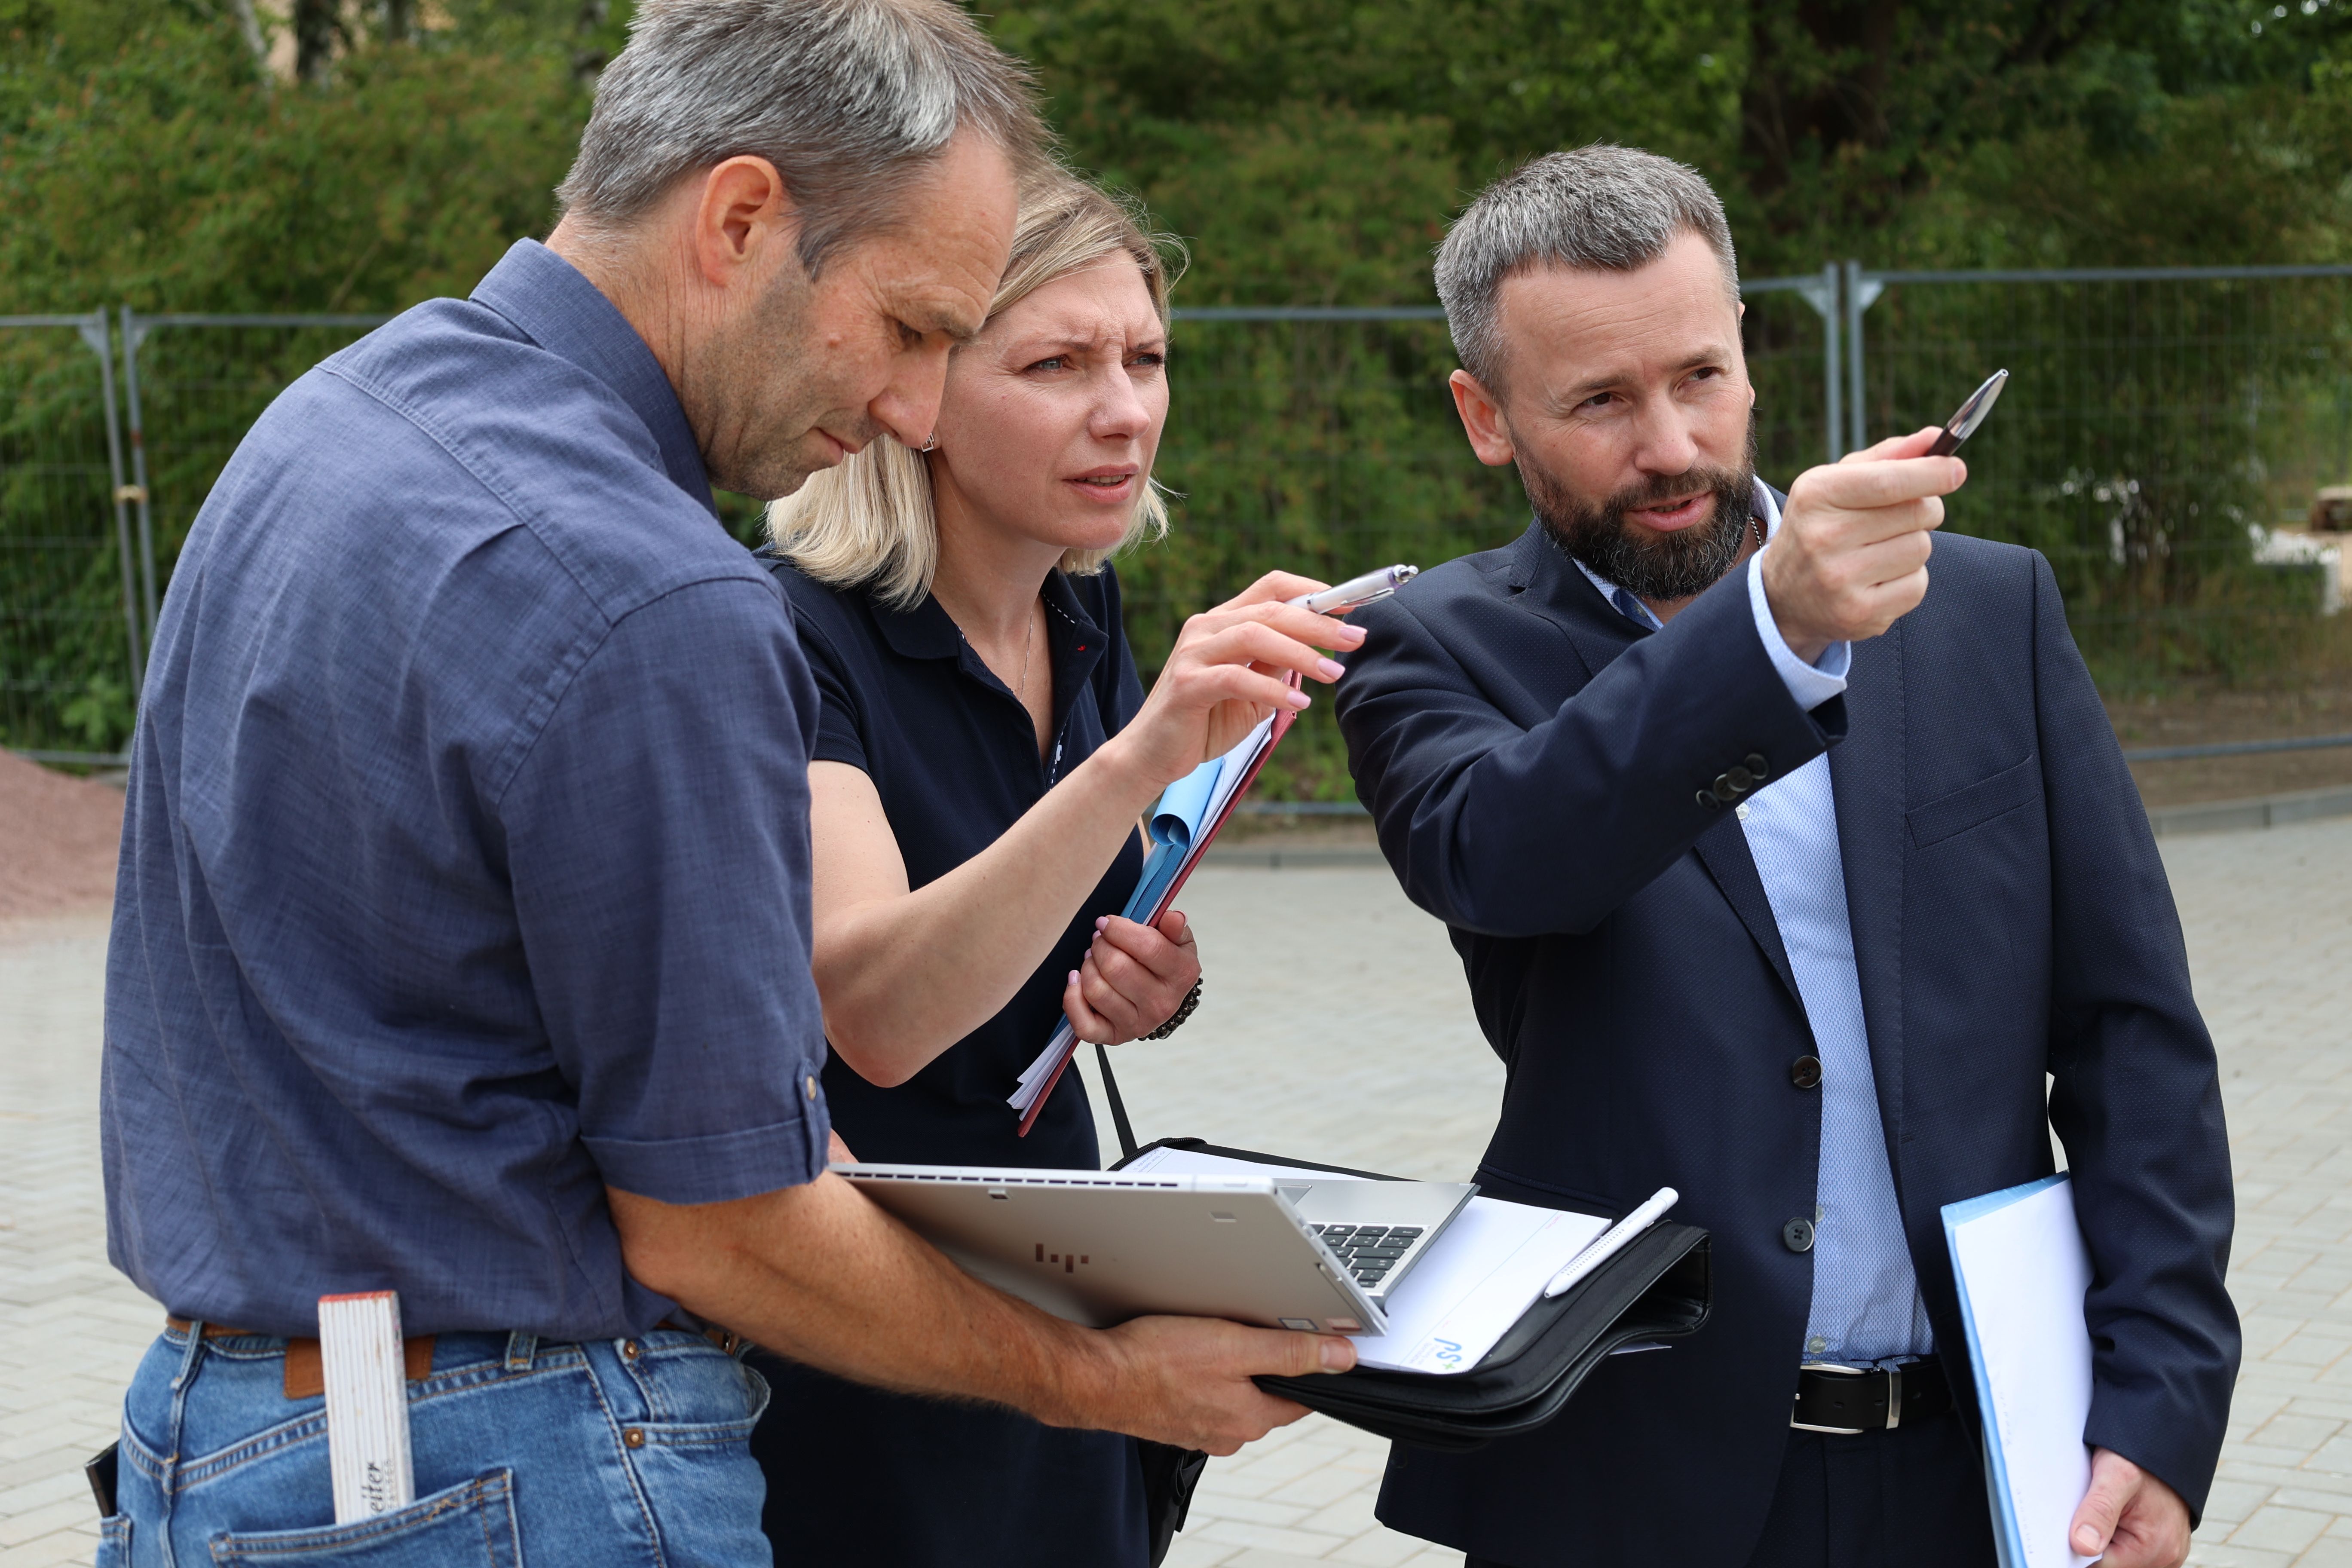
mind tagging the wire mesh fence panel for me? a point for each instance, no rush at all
(1782, 336)
(1330, 447)
(1324, 447)
(2154, 433)
(67, 652)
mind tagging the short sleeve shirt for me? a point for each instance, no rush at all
(465, 866)
(953, 755)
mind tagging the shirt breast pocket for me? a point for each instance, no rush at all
(1973, 805)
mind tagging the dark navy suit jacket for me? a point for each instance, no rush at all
(1533, 759)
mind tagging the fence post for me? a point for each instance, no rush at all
(95, 338)
(1862, 292)
(134, 332)
(1821, 294)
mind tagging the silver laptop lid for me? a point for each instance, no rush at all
(1101, 1247)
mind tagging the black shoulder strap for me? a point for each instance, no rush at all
(1117, 1106)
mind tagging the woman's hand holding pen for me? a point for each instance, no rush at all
(1134, 978)
(1230, 668)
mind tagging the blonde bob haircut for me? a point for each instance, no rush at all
(869, 522)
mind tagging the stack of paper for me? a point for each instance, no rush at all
(2023, 1270)
(1478, 1278)
(1183, 823)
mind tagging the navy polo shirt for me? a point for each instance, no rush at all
(953, 755)
(465, 871)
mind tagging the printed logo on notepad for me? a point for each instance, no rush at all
(1068, 1260)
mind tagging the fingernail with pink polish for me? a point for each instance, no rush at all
(1102, 922)
(1330, 668)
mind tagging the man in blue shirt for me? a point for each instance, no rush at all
(1789, 880)
(461, 944)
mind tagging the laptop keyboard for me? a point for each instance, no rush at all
(1371, 1252)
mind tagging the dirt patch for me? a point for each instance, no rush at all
(2319, 706)
(59, 838)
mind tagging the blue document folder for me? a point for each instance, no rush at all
(2023, 1270)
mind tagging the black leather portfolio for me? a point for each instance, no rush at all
(1653, 1291)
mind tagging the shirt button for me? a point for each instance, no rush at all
(1742, 813)
(1805, 1072)
(1816, 1344)
(1797, 1236)
(812, 1085)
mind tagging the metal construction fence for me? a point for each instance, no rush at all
(2162, 435)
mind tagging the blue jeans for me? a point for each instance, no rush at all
(632, 1453)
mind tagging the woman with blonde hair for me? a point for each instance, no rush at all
(984, 750)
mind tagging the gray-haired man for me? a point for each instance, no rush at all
(462, 943)
(1782, 878)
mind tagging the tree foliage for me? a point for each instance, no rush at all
(1309, 152)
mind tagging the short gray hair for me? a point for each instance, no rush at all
(1599, 208)
(847, 97)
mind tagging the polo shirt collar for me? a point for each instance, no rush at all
(557, 307)
(928, 631)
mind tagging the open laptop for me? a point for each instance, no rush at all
(1101, 1247)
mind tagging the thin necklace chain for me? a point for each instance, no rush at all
(1028, 646)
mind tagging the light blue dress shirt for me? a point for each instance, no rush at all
(1866, 1306)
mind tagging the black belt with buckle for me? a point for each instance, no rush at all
(1851, 1400)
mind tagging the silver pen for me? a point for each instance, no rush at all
(1969, 415)
(1355, 591)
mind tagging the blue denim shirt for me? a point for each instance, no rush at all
(466, 870)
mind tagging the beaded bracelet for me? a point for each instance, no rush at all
(1175, 1019)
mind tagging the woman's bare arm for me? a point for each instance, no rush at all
(904, 974)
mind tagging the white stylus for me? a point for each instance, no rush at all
(1611, 1242)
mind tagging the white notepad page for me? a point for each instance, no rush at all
(1477, 1279)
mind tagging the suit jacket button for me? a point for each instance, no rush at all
(1805, 1072)
(1725, 790)
(1756, 766)
(1741, 779)
(1797, 1236)
(1706, 798)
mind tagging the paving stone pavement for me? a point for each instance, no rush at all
(1335, 1020)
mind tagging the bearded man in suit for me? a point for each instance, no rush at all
(1790, 880)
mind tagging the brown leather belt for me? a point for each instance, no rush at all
(306, 1373)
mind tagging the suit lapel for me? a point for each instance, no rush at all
(1548, 584)
(1867, 778)
(1723, 850)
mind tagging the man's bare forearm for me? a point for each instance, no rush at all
(820, 1276)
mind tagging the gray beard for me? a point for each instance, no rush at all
(1663, 565)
